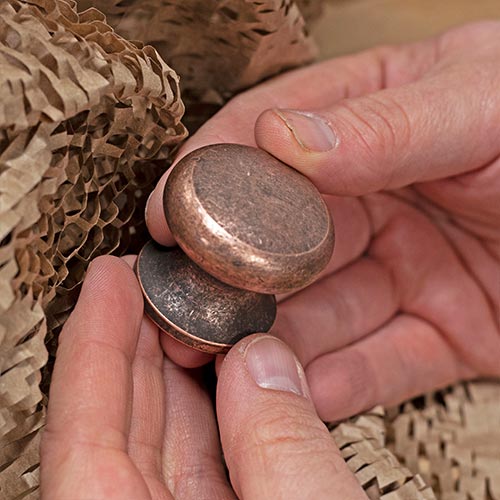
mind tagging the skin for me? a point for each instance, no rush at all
(410, 300)
(125, 422)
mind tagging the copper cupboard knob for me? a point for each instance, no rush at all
(248, 226)
(248, 219)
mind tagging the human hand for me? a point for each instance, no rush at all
(403, 143)
(124, 422)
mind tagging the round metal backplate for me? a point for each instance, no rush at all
(248, 219)
(196, 308)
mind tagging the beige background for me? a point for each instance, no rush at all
(351, 25)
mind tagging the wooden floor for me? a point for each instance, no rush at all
(351, 25)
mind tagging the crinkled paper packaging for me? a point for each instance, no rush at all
(218, 47)
(88, 122)
(445, 445)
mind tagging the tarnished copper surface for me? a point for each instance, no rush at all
(248, 219)
(194, 307)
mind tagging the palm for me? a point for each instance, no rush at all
(406, 304)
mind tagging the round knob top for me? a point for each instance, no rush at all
(248, 219)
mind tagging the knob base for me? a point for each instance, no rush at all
(194, 307)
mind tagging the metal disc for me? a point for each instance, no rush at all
(193, 306)
(248, 219)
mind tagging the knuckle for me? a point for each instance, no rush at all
(357, 385)
(240, 104)
(289, 432)
(469, 35)
(381, 128)
(85, 433)
(205, 473)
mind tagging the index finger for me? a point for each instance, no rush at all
(91, 390)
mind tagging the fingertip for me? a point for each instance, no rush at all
(269, 127)
(155, 215)
(108, 273)
(109, 308)
(341, 385)
(181, 354)
(233, 363)
(302, 140)
(219, 359)
(130, 260)
(321, 393)
(235, 387)
(272, 134)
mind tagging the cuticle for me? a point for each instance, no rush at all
(309, 115)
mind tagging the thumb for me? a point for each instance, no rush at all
(272, 439)
(431, 129)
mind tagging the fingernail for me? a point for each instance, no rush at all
(272, 365)
(311, 131)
